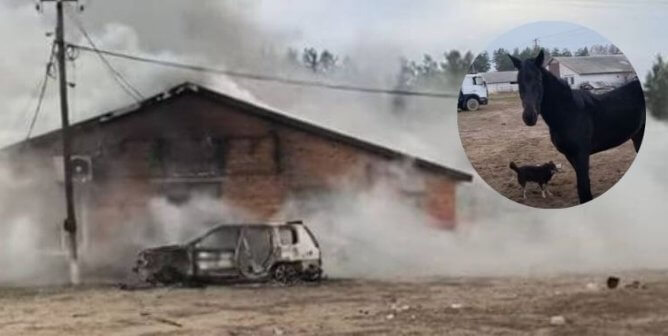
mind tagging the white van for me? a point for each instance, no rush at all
(474, 93)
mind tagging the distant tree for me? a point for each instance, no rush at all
(613, 50)
(566, 53)
(582, 52)
(555, 52)
(526, 53)
(481, 63)
(656, 85)
(598, 49)
(607, 49)
(468, 59)
(455, 64)
(310, 59)
(429, 67)
(501, 60)
(327, 62)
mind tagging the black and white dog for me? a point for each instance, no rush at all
(538, 174)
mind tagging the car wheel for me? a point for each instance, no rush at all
(312, 275)
(285, 274)
(472, 104)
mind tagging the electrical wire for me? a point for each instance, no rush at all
(125, 85)
(258, 77)
(42, 92)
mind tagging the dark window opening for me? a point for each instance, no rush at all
(187, 156)
(288, 236)
(181, 192)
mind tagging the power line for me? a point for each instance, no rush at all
(42, 92)
(561, 33)
(118, 77)
(266, 78)
(536, 39)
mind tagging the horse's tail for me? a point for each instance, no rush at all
(513, 166)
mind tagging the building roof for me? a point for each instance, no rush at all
(586, 65)
(261, 112)
(500, 77)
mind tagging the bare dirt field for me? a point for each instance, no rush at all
(453, 306)
(495, 135)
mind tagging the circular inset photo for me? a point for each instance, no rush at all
(551, 114)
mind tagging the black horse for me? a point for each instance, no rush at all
(581, 123)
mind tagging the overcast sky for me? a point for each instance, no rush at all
(220, 32)
(550, 34)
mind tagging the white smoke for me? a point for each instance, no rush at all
(376, 234)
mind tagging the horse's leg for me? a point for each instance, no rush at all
(637, 138)
(542, 190)
(581, 164)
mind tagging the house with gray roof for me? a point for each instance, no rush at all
(593, 72)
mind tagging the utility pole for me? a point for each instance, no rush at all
(535, 43)
(70, 224)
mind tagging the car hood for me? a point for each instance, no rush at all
(165, 248)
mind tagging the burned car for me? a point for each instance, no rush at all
(284, 252)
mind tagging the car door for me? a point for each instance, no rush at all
(215, 254)
(256, 247)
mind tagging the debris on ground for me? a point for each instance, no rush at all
(397, 308)
(636, 285)
(557, 320)
(613, 282)
(592, 287)
(390, 316)
(161, 319)
(456, 306)
(278, 332)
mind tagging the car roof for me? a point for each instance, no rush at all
(241, 225)
(256, 224)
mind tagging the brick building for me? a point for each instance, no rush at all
(193, 140)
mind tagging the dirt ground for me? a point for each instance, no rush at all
(495, 135)
(453, 306)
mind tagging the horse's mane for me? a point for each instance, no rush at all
(582, 98)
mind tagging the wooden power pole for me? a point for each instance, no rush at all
(70, 224)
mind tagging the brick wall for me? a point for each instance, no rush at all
(255, 163)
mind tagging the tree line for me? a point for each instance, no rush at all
(431, 71)
(503, 63)
(445, 71)
(656, 89)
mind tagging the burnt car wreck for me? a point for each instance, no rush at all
(285, 252)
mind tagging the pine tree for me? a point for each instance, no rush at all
(656, 85)
(481, 63)
(501, 60)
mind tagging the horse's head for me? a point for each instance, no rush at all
(530, 80)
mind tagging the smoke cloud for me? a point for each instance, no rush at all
(375, 234)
